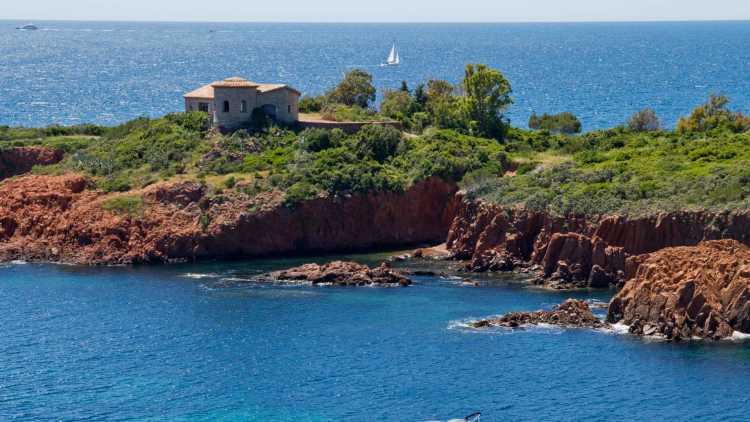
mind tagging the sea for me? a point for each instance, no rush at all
(203, 342)
(110, 72)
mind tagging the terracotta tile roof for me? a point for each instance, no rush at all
(207, 91)
(234, 82)
(204, 92)
(273, 87)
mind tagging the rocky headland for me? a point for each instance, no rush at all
(690, 292)
(568, 252)
(65, 219)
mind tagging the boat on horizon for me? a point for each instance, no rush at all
(393, 57)
(28, 27)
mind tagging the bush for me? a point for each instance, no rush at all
(298, 192)
(378, 142)
(315, 139)
(312, 104)
(644, 121)
(565, 122)
(230, 182)
(714, 114)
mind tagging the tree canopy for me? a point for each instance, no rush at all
(486, 97)
(355, 89)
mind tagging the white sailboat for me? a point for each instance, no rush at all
(393, 57)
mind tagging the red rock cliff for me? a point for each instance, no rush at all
(577, 250)
(60, 218)
(685, 292)
(14, 161)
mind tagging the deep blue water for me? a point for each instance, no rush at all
(107, 72)
(158, 343)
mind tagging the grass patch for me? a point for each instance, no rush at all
(130, 205)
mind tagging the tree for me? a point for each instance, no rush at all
(565, 122)
(420, 97)
(355, 89)
(396, 104)
(404, 87)
(486, 97)
(714, 114)
(441, 104)
(644, 121)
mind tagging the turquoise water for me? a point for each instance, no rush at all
(194, 342)
(105, 72)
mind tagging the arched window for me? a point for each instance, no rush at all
(226, 106)
(243, 106)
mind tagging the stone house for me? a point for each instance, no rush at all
(231, 101)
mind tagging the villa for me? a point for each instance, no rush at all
(231, 101)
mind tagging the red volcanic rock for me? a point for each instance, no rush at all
(576, 252)
(19, 160)
(56, 218)
(342, 273)
(684, 292)
(571, 313)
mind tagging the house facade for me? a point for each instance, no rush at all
(231, 101)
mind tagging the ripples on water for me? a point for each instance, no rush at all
(109, 72)
(197, 342)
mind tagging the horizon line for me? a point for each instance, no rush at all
(657, 20)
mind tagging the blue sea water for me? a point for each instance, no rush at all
(109, 72)
(193, 342)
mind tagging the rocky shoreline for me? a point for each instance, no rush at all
(668, 286)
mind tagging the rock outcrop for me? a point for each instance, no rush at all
(576, 252)
(685, 292)
(340, 273)
(19, 160)
(63, 219)
(572, 314)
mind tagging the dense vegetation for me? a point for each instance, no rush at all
(455, 132)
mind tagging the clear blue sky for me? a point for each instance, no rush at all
(376, 10)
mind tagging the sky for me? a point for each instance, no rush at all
(376, 10)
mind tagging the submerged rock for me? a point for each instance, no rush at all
(340, 273)
(571, 313)
(681, 293)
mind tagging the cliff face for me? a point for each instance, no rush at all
(14, 161)
(573, 251)
(685, 292)
(61, 219)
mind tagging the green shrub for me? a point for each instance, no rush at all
(298, 192)
(125, 205)
(565, 122)
(378, 142)
(312, 104)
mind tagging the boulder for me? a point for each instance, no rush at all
(341, 273)
(572, 313)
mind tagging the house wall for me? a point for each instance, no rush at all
(191, 104)
(235, 117)
(286, 102)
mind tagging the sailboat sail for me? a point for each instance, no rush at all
(393, 57)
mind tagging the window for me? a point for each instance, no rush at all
(226, 106)
(289, 109)
(243, 107)
(203, 107)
